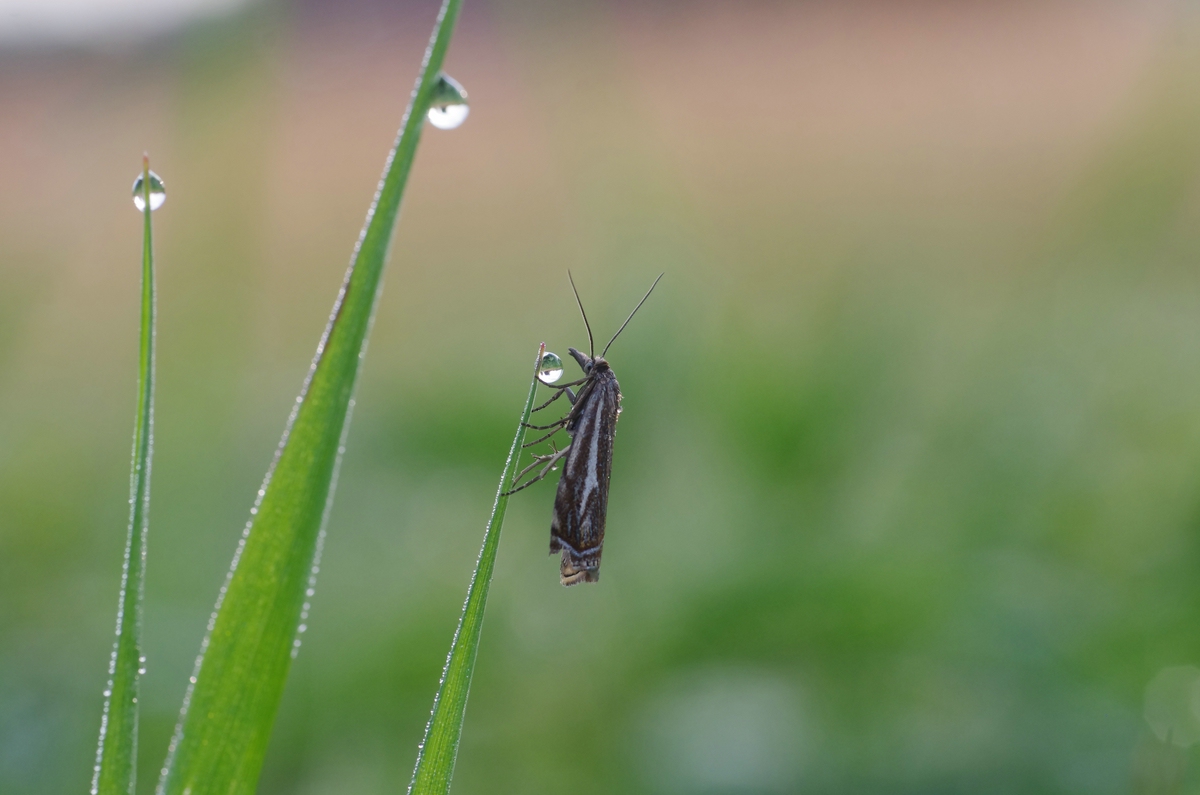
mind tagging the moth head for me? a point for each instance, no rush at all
(586, 363)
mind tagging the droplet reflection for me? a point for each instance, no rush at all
(551, 368)
(158, 193)
(448, 108)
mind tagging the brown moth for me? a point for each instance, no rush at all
(581, 504)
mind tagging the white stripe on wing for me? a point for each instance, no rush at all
(591, 481)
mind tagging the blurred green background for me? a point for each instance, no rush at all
(905, 491)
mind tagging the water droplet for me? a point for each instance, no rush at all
(551, 368)
(449, 107)
(107, 693)
(158, 193)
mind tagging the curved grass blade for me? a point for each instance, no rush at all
(235, 690)
(439, 748)
(115, 772)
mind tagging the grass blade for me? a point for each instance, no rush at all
(235, 691)
(116, 753)
(439, 748)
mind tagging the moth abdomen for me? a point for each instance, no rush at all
(576, 566)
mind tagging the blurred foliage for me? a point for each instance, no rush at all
(904, 496)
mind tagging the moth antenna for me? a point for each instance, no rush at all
(631, 314)
(588, 326)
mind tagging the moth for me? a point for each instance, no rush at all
(581, 503)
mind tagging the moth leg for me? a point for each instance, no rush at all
(544, 438)
(569, 383)
(549, 460)
(537, 459)
(571, 396)
(557, 395)
(522, 473)
(556, 424)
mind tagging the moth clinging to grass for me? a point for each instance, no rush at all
(581, 503)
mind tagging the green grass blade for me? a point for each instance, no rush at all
(235, 691)
(439, 748)
(116, 754)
